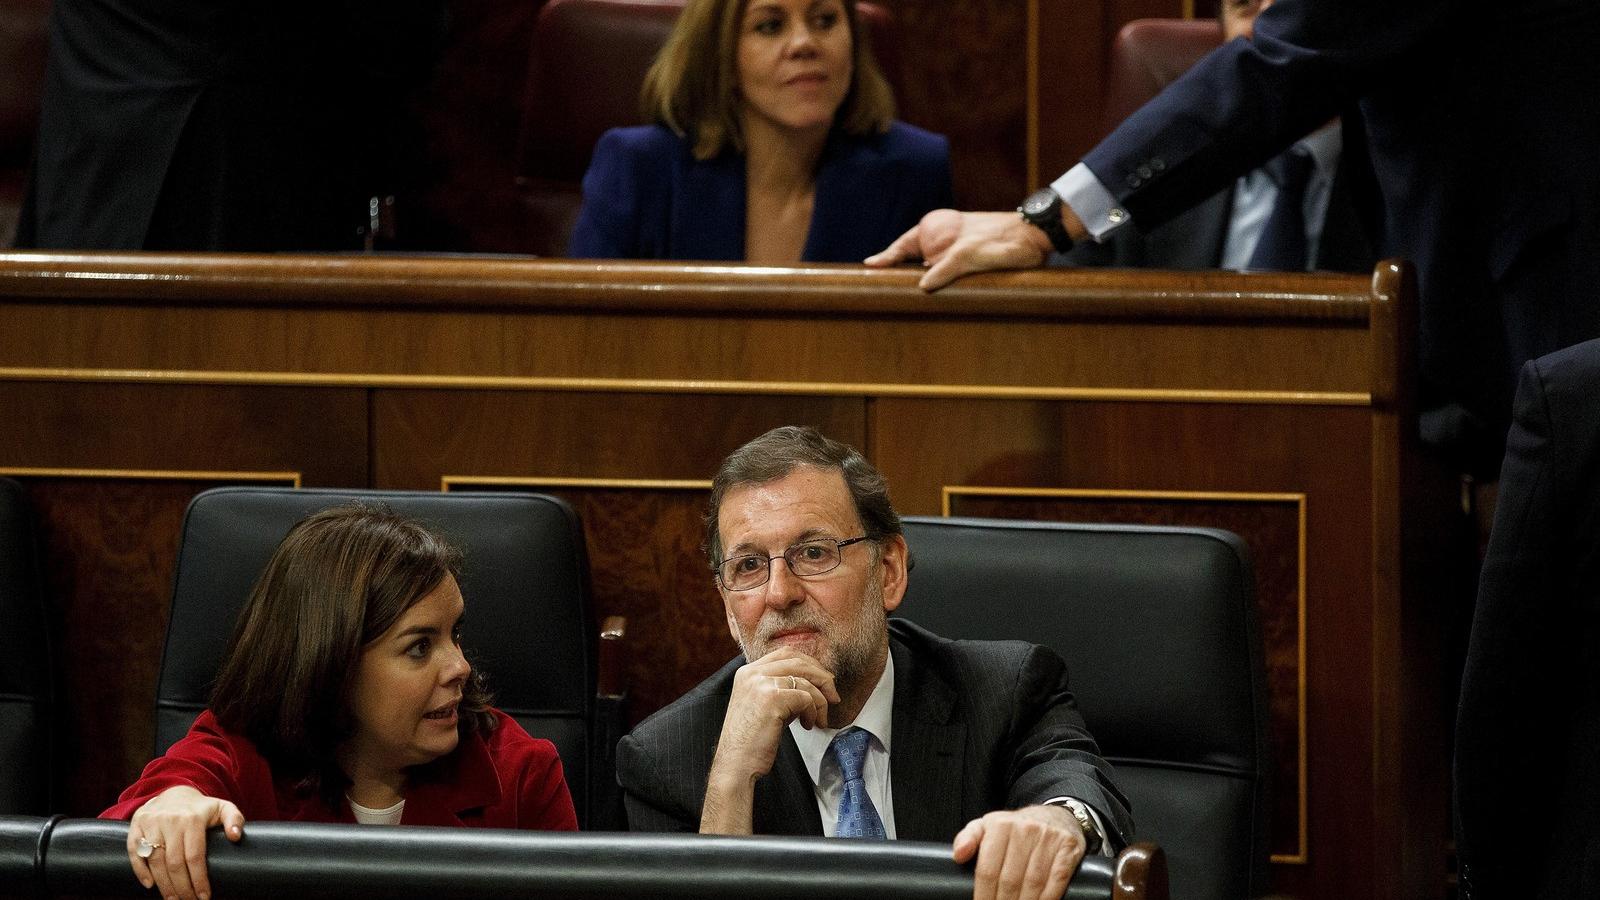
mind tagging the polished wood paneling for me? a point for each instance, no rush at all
(1016, 86)
(964, 70)
(1324, 454)
(300, 319)
(620, 386)
(646, 564)
(109, 553)
(644, 540)
(111, 469)
(318, 433)
(423, 436)
(1074, 43)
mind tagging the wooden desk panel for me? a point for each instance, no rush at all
(110, 469)
(620, 386)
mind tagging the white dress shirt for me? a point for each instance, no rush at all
(1256, 193)
(877, 719)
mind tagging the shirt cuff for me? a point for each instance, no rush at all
(1091, 201)
(1099, 823)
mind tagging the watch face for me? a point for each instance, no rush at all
(1038, 202)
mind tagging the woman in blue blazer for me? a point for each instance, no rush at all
(775, 143)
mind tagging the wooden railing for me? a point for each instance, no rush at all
(1274, 406)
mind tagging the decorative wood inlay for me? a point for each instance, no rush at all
(109, 588)
(292, 479)
(962, 65)
(1274, 526)
(645, 563)
(660, 386)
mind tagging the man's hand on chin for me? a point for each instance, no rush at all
(767, 694)
(1022, 853)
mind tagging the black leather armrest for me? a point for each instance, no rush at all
(306, 861)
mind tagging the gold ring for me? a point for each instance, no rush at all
(147, 847)
(794, 683)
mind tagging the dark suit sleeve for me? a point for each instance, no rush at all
(608, 223)
(1514, 727)
(1054, 754)
(651, 800)
(1247, 100)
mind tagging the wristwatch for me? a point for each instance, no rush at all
(1092, 839)
(1042, 210)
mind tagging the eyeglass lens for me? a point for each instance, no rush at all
(810, 558)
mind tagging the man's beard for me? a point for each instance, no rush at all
(850, 649)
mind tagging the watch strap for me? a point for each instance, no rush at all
(1093, 840)
(1048, 220)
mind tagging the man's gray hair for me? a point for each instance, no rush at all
(782, 450)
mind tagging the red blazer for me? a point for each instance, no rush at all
(506, 779)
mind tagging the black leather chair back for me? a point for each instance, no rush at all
(528, 623)
(1160, 633)
(25, 775)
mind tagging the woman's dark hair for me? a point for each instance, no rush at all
(336, 583)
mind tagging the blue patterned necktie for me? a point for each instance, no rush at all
(1283, 246)
(858, 818)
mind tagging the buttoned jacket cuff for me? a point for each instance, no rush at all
(1091, 202)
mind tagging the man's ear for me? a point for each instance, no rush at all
(892, 560)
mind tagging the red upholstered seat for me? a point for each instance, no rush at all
(1147, 55)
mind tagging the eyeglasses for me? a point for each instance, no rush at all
(743, 573)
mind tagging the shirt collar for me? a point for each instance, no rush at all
(876, 718)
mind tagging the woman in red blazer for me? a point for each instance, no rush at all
(344, 697)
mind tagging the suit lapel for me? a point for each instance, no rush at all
(926, 759)
(785, 800)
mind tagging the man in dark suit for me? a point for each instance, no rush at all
(1483, 122)
(836, 722)
(1321, 190)
(246, 125)
(1528, 732)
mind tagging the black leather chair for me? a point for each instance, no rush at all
(1160, 633)
(25, 774)
(88, 857)
(528, 625)
(22, 846)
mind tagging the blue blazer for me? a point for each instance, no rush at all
(1483, 122)
(645, 196)
(1526, 767)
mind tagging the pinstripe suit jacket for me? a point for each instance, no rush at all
(978, 726)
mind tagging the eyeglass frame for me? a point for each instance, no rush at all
(716, 568)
